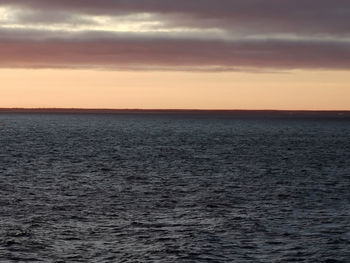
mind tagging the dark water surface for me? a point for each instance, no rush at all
(174, 188)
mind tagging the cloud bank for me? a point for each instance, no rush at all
(175, 35)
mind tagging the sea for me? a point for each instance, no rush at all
(174, 187)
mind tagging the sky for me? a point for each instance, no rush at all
(183, 54)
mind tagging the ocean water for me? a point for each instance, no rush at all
(174, 188)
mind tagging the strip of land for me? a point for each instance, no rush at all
(262, 113)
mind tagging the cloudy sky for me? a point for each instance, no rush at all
(224, 54)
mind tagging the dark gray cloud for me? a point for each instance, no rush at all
(53, 17)
(280, 16)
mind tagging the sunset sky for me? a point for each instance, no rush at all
(166, 54)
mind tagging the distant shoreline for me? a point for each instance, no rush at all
(310, 113)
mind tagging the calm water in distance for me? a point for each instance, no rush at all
(174, 188)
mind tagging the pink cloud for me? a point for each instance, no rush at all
(150, 53)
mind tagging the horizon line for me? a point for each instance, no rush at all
(156, 110)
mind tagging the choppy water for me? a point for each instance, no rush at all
(174, 188)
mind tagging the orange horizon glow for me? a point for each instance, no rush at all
(94, 89)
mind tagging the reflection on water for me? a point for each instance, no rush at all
(173, 188)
